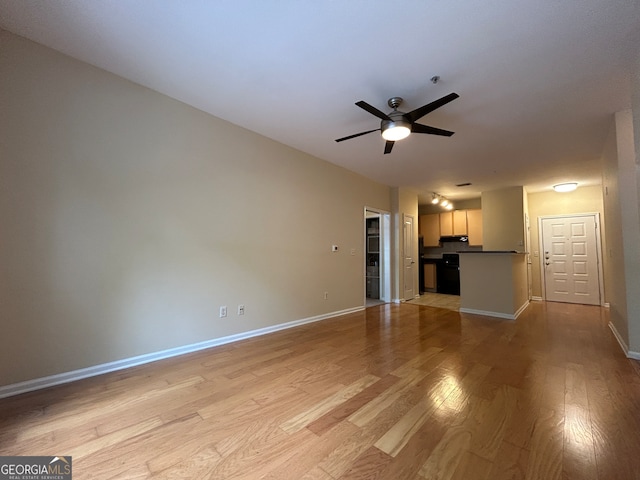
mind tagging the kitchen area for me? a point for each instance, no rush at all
(442, 237)
(476, 254)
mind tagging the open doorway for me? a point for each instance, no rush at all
(377, 258)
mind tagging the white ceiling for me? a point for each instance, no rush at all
(538, 79)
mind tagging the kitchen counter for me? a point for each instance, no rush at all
(494, 251)
(494, 284)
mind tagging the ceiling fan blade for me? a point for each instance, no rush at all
(388, 146)
(418, 113)
(373, 110)
(356, 135)
(419, 128)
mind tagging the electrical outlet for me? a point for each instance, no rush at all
(240, 309)
(326, 295)
(223, 311)
(353, 251)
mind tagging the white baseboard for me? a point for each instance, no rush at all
(540, 299)
(487, 313)
(522, 309)
(66, 377)
(508, 316)
(623, 344)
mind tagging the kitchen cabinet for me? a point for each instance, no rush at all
(474, 227)
(430, 230)
(459, 222)
(430, 277)
(453, 223)
(446, 224)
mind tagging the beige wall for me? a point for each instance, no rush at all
(581, 200)
(507, 291)
(129, 218)
(621, 188)
(404, 202)
(615, 287)
(503, 219)
(634, 223)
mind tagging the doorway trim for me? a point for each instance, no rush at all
(385, 253)
(596, 217)
(412, 247)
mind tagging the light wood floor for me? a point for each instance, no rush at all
(440, 300)
(394, 392)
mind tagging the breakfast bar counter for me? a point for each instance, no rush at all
(493, 283)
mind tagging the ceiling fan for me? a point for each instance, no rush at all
(398, 125)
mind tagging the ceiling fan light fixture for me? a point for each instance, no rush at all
(565, 187)
(395, 131)
(398, 125)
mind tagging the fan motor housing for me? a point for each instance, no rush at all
(398, 119)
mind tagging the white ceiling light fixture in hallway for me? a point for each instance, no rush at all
(565, 187)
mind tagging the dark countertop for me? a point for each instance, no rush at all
(495, 251)
(430, 258)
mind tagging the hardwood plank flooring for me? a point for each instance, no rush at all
(394, 392)
(440, 300)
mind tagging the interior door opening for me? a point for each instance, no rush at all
(377, 257)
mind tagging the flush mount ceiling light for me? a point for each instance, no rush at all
(565, 187)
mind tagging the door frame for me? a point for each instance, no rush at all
(385, 253)
(413, 248)
(543, 279)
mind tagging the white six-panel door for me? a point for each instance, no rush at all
(570, 259)
(408, 259)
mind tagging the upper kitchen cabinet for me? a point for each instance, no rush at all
(430, 230)
(459, 222)
(456, 223)
(453, 223)
(474, 227)
(446, 224)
